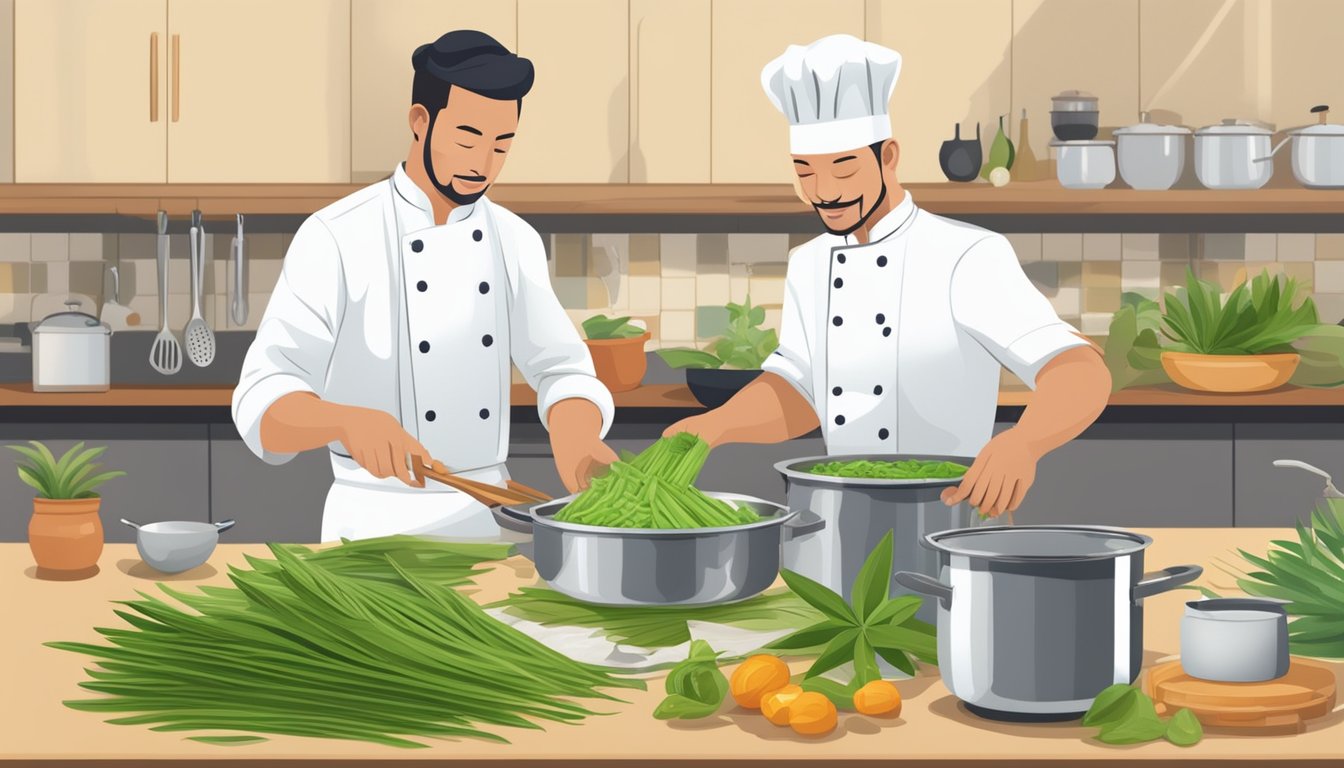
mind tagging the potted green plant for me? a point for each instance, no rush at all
(65, 532)
(731, 361)
(617, 348)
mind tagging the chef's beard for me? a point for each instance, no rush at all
(863, 218)
(445, 189)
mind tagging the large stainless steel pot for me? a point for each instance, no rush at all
(1035, 621)
(1225, 155)
(858, 512)
(71, 352)
(1151, 156)
(634, 566)
(1318, 153)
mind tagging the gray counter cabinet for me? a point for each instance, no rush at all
(1270, 496)
(271, 503)
(166, 466)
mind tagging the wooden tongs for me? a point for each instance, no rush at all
(513, 494)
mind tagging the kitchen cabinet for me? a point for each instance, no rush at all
(966, 83)
(91, 91)
(166, 466)
(670, 92)
(575, 124)
(1126, 475)
(184, 91)
(270, 503)
(749, 138)
(1267, 495)
(384, 33)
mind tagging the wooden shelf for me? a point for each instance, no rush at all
(1026, 198)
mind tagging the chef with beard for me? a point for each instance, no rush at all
(390, 333)
(896, 322)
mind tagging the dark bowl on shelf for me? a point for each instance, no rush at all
(1075, 126)
(715, 386)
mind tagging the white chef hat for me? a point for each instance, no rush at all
(834, 93)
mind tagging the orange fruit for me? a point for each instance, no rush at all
(775, 706)
(757, 676)
(878, 698)
(812, 714)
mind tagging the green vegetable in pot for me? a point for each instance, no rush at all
(906, 469)
(872, 624)
(695, 687)
(655, 490)
(601, 327)
(745, 345)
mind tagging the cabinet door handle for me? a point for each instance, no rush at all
(177, 75)
(154, 77)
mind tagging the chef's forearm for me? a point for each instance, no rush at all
(768, 410)
(1071, 392)
(301, 421)
(574, 416)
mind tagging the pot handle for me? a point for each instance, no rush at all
(508, 519)
(794, 530)
(1273, 151)
(1166, 579)
(224, 525)
(925, 585)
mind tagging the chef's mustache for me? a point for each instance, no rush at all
(837, 204)
(471, 179)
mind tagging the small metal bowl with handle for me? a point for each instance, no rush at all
(173, 546)
(639, 566)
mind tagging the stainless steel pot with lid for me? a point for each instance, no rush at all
(1318, 152)
(1225, 155)
(1034, 621)
(858, 512)
(636, 566)
(71, 352)
(1151, 156)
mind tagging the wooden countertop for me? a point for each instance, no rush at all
(932, 730)
(1037, 197)
(649, 396)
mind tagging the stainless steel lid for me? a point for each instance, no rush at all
(1146, 128)
(1233, 127)
(72, 321)
(1074, 101)
(1039, 543)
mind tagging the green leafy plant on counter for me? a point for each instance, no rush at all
(695, 687)
(346, 646)
(72, 476)
(745, 345)
(1264, 316)
(658, 627)
(1126, 715)
(602, 327)
(871, 624)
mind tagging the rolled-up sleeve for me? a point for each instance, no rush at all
(792, 360)
(545, 346)
(293, 347)
(994, 301)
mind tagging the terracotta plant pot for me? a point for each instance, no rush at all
(620, 363)
(66, 535)
(1230, 373)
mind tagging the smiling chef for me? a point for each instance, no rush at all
(389, 335)
(896, 322)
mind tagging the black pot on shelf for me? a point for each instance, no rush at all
(961, 158)
(715, 386)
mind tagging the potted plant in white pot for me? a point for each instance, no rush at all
(731, 361)
(65, 532)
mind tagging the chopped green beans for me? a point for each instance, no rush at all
(655, 490)
(907, 469)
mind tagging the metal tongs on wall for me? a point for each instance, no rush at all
(238, 308)
(514, 493)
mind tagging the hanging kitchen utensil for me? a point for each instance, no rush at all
(961, 158)
(238, 309)
(117, 316)
(200, 341)
(165, 356)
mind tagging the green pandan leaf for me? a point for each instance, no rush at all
(684, 357)
(1184, 729)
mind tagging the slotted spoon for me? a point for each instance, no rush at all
(200, 340)
(165, 356)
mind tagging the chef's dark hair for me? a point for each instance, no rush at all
(472, 60)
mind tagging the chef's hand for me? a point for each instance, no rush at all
(999, 478)
(379, 443)
(576, 443)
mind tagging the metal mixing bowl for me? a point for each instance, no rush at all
(173, 546)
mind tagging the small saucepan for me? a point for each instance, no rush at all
(173, 546)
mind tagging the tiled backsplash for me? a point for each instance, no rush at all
(676, 284)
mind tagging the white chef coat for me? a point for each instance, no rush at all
(379, 307)
(897, 343)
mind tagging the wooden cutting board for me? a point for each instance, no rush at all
(1281, 706)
